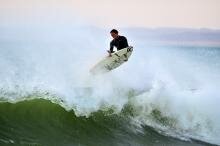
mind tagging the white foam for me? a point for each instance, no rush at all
(179, 82)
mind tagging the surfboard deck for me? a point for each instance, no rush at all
(109, 63)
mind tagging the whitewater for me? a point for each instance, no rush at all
(165, 94)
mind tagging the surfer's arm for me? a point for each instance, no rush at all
(111, 47)
(125, 41)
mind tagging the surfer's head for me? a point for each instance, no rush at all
(114, 33)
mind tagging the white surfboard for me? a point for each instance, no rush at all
(111, 62)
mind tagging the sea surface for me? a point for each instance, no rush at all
(167, 94)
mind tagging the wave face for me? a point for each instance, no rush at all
(165, 95)
(40, 122)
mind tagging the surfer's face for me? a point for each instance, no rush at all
(114, 35)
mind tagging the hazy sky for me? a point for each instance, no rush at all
(116, 13)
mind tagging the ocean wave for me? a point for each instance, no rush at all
(40, 122)
(38, 118)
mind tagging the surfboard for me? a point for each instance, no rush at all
(109, 63)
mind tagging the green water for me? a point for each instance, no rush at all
(39, 122)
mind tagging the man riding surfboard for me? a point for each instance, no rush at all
(115, 59)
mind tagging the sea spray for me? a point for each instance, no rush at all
(173, 89)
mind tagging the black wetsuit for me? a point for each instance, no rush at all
(120, 43)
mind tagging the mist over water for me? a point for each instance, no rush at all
(172, 88)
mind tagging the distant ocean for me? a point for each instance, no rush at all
(167, 94)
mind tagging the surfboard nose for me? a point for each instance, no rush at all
(129, 49)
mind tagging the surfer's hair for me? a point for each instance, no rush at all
(114, 31)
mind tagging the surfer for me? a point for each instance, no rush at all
(114, 60)
(120, 42)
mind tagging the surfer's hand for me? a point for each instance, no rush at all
(109, 53)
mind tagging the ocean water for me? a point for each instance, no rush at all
(166, 94)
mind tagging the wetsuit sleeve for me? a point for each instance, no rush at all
(125, 42)
(111, 47)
